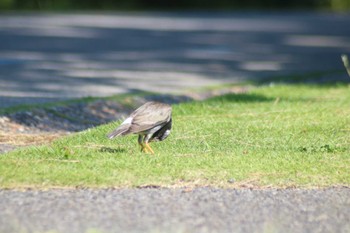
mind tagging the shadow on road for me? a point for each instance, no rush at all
(47, 57)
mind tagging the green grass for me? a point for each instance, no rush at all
(278, 136)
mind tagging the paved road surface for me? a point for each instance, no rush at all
(45, 57)
(154, 210)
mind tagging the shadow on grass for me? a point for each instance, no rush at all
(241, 98)
(105, 149)
(316, 78)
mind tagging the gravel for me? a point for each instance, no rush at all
(175, 210)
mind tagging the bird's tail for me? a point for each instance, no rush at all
(121, 130)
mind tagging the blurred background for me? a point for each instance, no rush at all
(62, 49)
(171, 5)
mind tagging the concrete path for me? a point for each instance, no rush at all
(175, 210)
(46, 57)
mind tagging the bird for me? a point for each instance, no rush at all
(152, 122)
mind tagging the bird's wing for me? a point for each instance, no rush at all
(149, 116)
(122, 129)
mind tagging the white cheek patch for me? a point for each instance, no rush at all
(127, 121)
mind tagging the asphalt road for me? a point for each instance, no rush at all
(175, 210)
(46, 57)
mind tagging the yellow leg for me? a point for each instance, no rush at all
(146, 148)
(149, 148)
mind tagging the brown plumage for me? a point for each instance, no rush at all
(152, 122)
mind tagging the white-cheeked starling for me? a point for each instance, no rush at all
(152, 122)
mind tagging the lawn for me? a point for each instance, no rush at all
(273, 136)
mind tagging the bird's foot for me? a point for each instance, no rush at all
(146, 149)
(149, 149)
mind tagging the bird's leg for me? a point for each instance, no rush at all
(149, 148)
(140, 141)
(146, 145)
